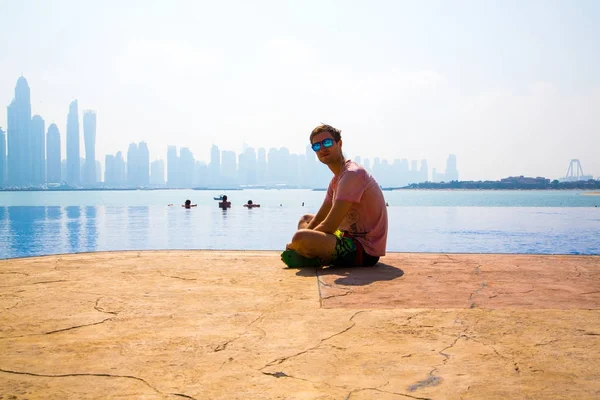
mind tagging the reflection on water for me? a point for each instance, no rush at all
(54, 228)
(137, 227)
(74, 228)
(91, 236)
(25, 229)
(34, 230)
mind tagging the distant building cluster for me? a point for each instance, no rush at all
(30, 156)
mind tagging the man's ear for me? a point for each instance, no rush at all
(340, 143)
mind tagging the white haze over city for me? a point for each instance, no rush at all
(509, 87)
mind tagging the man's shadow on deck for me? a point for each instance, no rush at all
(356, 276)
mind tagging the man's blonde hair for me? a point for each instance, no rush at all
(336, 133)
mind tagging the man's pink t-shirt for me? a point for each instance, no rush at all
(367, 219)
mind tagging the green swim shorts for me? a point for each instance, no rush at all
(349, 252)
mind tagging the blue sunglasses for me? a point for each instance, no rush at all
(325, 143)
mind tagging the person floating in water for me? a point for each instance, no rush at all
(224, 203)
(187, 204)
(350, 228)
(251, 205)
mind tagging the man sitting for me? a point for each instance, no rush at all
(350, 228)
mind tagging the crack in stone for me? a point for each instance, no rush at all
(12, 272)
(57, 331)
(80, 374)
(483, 286)
(280, 374)
(509, 293)
(490, 346)
(337, 295)
(385, 391)
(177, 277)
(17, 302)
(230, 359)
(476, 292)
(97, 308)
(515, 364)
(319, 283)
(277, 374)
(450, 258)
(433, 380)
(447, 356)
(185, 396)
(78, 326)
(223, 346)
(280, 360)
(545, 343)
(407, 323)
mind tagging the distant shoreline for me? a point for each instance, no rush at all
(586, 192)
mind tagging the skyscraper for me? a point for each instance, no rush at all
(120, 172)
(451, 171)
(214, 167)
(89, 137)
(109, 170)
(157, 172)
(186, 167)
(228, 167)
(143, 164)
(73, 162)
(132, 166)
(261, 166)
(19, 120)
(172, 167)
(53, 155)
(38, 150)
(424, 172)
(2, 157)
(248, 170)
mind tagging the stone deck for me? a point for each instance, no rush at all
(236, 325)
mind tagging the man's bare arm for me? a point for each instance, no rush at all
(321, 214)
(335, 216)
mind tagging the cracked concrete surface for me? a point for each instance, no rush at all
(236, 325)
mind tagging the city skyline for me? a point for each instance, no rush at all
(224, 168)
(36, 155)
(509, 88)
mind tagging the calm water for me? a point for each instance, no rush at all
(38, 223)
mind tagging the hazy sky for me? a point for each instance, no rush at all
(510, 87)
